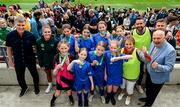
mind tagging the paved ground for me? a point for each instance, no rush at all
(168, 97)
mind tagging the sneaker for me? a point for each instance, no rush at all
(23, 91)
(80, 104)
(120, 96)
(139, 88)
(103, 99)
(128, 100)
(36, 91)
(86, 104)
(48, 89)
(113, 101)
(91, 98)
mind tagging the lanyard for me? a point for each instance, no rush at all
(81, 64)
(62, 60)
(84, 37)
(64, 38)
(101, 61)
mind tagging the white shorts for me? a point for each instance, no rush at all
(129, 85)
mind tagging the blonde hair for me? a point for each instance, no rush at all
(62, 42)
(130, 38)
(102, 22)
(119, 27)
(2, 20)
(118, 46)
(102, 44)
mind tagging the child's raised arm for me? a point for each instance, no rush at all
(70, 65)
(121, 58)
(57, 67)
(76, 47)
(143, 55)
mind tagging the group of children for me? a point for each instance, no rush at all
(83, 63)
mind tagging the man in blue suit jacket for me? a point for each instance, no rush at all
(159, 68)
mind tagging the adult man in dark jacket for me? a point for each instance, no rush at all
(20, 45)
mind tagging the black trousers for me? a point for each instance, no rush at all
(152, 91)
(139, 81)
(20, 73)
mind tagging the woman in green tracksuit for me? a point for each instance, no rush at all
(46, 50)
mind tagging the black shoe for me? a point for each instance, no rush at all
(107, 99)
(80, 104)
(142, 99)
(145, 106)
(113, 101)
(71, 101)
(52, 103)
(86, 104)
(36, 91)
(23, 91)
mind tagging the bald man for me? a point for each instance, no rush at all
(159, 69)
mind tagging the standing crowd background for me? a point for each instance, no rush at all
(91, 48)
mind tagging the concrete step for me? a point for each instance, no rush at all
(8, 76)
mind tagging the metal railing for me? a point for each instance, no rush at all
(4, 55)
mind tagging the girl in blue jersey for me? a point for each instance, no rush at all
(83, 76)
(67, 36)
(114, 70)
(97, 59)
(120, 35)
(85, 40)
(103, 34)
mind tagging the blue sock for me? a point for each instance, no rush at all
(101, 92)
(79, 99)
(86, 99)
(92, 92)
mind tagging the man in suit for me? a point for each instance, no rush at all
(159, 68)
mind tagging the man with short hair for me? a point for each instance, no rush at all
(159, 68)
(20, 45)
(161, 25)
(142, 36)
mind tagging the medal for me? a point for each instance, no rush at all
(65, 39)
(101, 61)
(64, 59)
